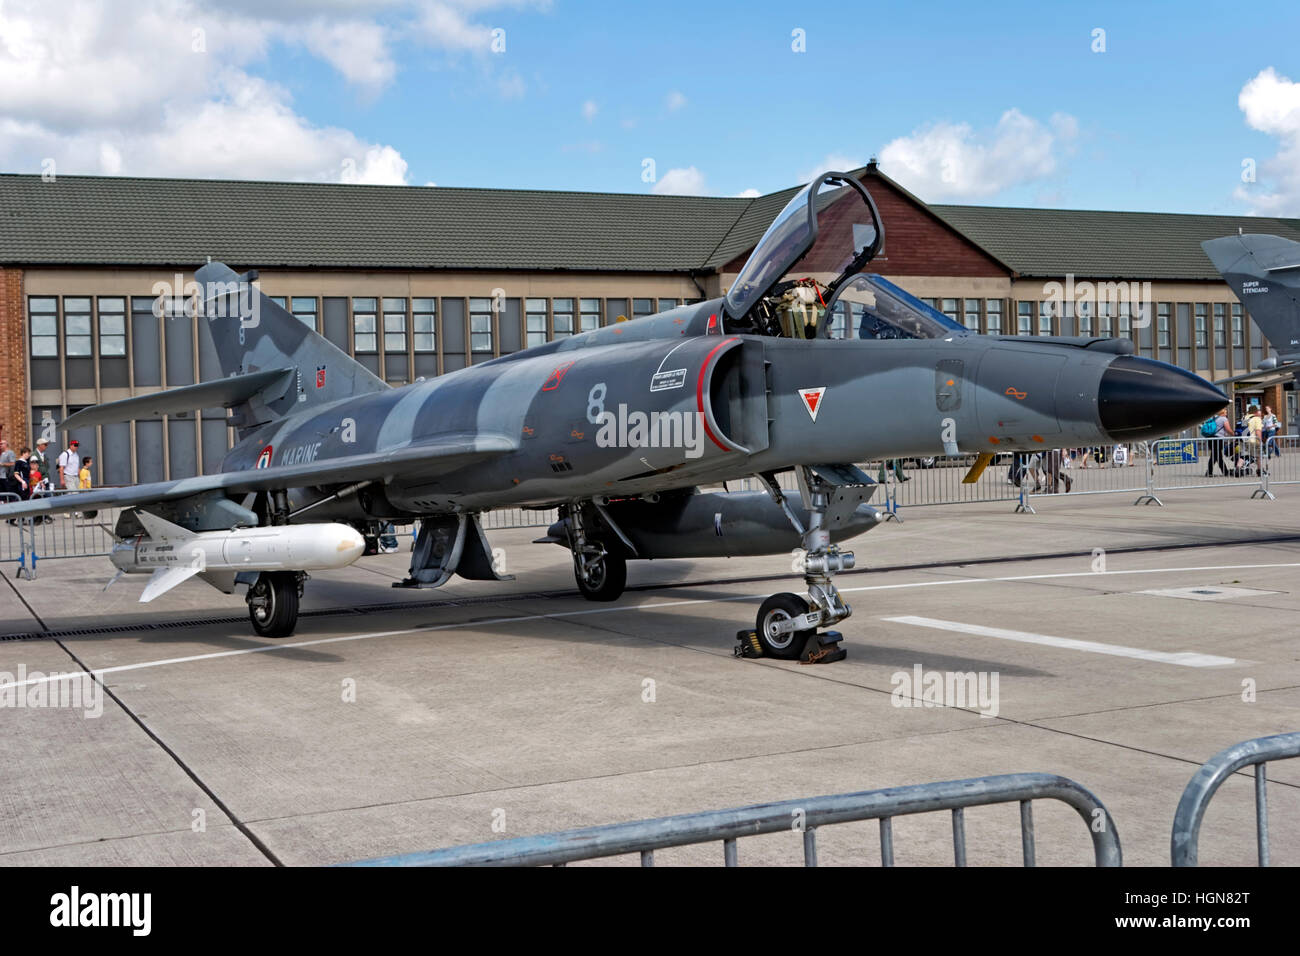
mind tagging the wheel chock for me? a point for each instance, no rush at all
(747, 644)
(823, 648)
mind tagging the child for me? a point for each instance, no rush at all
(83, 477)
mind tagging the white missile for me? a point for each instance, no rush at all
(173, 554)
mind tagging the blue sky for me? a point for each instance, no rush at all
(999, 103)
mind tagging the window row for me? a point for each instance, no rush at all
(1225, 321)
(79, 325)
(78, 320)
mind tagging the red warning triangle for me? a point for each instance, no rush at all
(812, 400)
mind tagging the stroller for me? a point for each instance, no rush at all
(1243, 462)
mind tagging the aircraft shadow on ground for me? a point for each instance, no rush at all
(714, 632)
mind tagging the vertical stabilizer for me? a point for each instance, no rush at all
(1264, 272)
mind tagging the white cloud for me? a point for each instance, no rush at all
(168, 91)
(954, 161)
(453, 24)
(839, 162)
(1271, 104)
(110, 159)
(675, 101)
(680, 182)
(748, 194)
(83, 65)
(589, 110)
(356, 48)
(447, 26)
(251, 132)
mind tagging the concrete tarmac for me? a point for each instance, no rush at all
(1129, 644)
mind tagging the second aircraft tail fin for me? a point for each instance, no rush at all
(1264, 272)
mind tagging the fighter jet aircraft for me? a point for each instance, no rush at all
(618, 428)
(1264, 272)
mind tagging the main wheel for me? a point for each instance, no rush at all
(781, 607)
(603, 579)
(273, 603)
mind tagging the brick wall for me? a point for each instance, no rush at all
(13, 359)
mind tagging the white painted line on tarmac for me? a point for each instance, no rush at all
(618, 609)
(1181, 658)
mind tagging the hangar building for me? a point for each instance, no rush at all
(420, 281)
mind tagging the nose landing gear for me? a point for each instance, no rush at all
(787, 624)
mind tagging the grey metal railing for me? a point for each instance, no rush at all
(1184, 841)
(805, 817)
(1163, 465)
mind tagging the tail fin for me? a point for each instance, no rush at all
(249, 333)
(1264, 272)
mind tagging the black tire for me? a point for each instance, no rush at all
(781, 607)
(606, 580)
(279, 616)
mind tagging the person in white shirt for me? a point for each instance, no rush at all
(70, 466)
(1271, 428)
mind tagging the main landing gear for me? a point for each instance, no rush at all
(273, 602)
(787, 624)
(601, 574)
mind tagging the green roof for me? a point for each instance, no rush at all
(1103, 245)
(109, 220)
(94, 220)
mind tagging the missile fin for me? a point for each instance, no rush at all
(164, 579)
(160, 529)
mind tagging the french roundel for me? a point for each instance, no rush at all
(264, 459)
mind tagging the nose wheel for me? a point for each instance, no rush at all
(777, 626)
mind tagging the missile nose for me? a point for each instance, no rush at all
(1140, 398)
(351, 544)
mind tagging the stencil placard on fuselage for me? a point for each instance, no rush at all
(662, 381)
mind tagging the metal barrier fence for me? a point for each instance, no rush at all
(1140, 468)
(1205, 463)
(1185, 838)
(1281, 463)
(74, 534)
(502, 518)
(644, 837)
(1170, 464)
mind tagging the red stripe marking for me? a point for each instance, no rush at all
(699, 392)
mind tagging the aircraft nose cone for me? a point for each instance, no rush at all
(1139, 398)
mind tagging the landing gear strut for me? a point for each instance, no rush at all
(787, 624)
(600, 573)
(273, 602)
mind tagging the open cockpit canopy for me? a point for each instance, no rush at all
(834, 219)
(831, 229)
